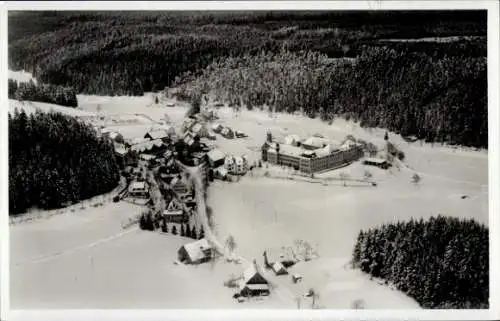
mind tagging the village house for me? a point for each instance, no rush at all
(138, 190)
(196, 252)
(216, 158)
(253, 282)
(148, 160)
(164, 134)
(180, 187)
(217, 128)
(199, 129)
(154, 147)
(220, 173)
(283, 256)
(236, 165)
(239, 134)
(174, 213)
(187, 124)
(227, 132)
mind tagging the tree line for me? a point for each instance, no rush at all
(45, 93)
(56, 160)
(441, 263)
(135, 52)
(439, 99)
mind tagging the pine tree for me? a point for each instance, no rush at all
(183, 233)
(174, 230)
(193, 233)
(188, 230)
(202, 233)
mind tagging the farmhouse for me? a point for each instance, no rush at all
(174, 213)
(179, 186)
(217, 128)
(163, 134)
(253, 282)
(195, 253)
(199, 129)
(236, 165)
(138, 189)
(227, 132)
(216, 158)
(284, 256)
(378, 162)
(155, 147)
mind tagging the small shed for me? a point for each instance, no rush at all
(278, 268)
(138, 189)
(217, 127)
(378, 162)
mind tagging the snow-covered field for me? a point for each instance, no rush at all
(85, 259)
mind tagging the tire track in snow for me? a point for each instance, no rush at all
(49, 257)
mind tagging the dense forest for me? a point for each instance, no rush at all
(436, 90)
(56, 160)
(441, 263)
(435, 98)
(44, 93)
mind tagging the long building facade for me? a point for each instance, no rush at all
(310, 161)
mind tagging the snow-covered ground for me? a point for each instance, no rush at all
(84, 259)
(21, 76)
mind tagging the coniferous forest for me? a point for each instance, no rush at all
(436, 90)
(55, 160)
(44, 93)
(443, 263)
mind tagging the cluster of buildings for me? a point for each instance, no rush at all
(314, 154)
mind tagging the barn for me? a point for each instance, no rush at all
(195, 253)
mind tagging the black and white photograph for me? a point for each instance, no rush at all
(249, 159)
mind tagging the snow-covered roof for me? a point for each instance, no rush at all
(287, 150)
(325, 151)
(375, 160)
(197, 128)
(216, 155)
(196, 250)
(316, 141)
(249, 274)
(121, 151)
(172, 212)
(147, 145)
(147, 157)
(115, 135)
(137, 186)
(216, 126)
(278, 267)
(157, 134)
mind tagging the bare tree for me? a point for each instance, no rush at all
(231, 243)
(343, 176)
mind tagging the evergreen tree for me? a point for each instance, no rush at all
(188, 230)
(174, 230)
(193, 233)
(183, 233)
(202, 233)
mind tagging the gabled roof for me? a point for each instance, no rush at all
(197, 128)
(174, 205)
(215, 155)
(216, 126)
(157, 134)
(115, 135)
(290, 139)
(197, 250)
(252, 276)
(137, 186)
(278, 268)
(147, 145)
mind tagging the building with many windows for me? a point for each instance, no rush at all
(314, 154)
